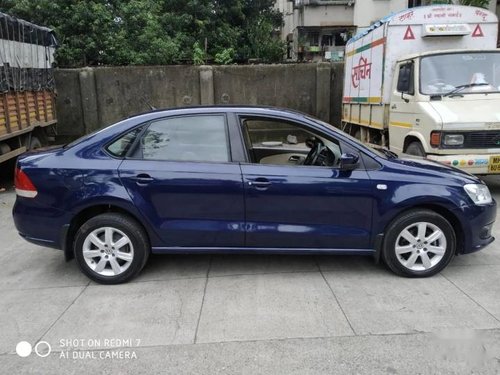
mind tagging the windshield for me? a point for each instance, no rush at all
(476, 72)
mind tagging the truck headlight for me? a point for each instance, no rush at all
(453, 139)
(479, 193)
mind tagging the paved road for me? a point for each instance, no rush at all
(248, 314)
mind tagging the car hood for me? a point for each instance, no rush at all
(439, 173)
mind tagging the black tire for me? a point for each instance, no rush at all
(415, 149)
(35, 143)
(124, 224)
(405, 220)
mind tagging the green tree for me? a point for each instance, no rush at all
(476, 3)
(225, 57)
(120, 32)
(199, 56)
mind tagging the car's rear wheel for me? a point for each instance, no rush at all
(111, 248)
(419, 243)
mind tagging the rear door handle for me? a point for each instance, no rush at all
(260, 183)
(143, 178)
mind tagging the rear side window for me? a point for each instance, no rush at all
(121, 146)
(189, 138)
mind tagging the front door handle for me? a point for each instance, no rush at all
(260, 183)
(143, 178)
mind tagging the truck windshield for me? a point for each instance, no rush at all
(474, 73)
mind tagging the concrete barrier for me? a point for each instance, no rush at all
(91, 98)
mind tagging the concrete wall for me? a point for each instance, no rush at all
(91, 98)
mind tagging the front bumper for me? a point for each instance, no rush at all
(477, 224)
(471, 163)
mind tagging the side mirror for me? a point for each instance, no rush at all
(405, 80)
(349, 161)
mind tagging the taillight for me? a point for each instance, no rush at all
(435, 139)
(24, 186)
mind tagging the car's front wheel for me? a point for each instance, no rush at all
(111, 248)
(419, 243)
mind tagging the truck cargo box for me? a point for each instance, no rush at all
(27, 88)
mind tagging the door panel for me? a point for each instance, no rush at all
(307, 207)
(189, 204)
(180, 176)
(402, 115)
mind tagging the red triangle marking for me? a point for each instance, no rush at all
(409, 34)
(478, 32)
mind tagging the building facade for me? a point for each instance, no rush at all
(316, 30)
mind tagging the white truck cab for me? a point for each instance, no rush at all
(426, 82)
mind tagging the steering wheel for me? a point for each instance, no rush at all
(313, 155)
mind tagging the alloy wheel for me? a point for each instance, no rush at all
(108, 251)
(420, 246)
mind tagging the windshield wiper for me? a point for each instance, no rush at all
(466, 86)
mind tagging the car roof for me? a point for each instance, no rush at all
(254, 109)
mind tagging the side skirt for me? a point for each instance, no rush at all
(258, 250)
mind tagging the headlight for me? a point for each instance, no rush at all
(453, 139)
(479, 193)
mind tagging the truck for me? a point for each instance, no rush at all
(27, 89)
(426, 82)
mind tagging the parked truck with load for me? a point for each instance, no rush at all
(27, 89)
(426, 82)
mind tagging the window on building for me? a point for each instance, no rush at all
(314, 39)
(327, 40)
(418, 3)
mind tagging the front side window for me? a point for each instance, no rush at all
(279, 142)
(188, 138)
(471, 73)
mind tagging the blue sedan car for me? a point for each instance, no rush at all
(243, 179)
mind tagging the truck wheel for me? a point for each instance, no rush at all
(35, 143)
(357, 135)
(415, 149)
(4, 148)
(419, 243)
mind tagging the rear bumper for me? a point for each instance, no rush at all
(40, 241)
(471, 163)
(40, 225)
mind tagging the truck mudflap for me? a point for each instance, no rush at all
(471, 163)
